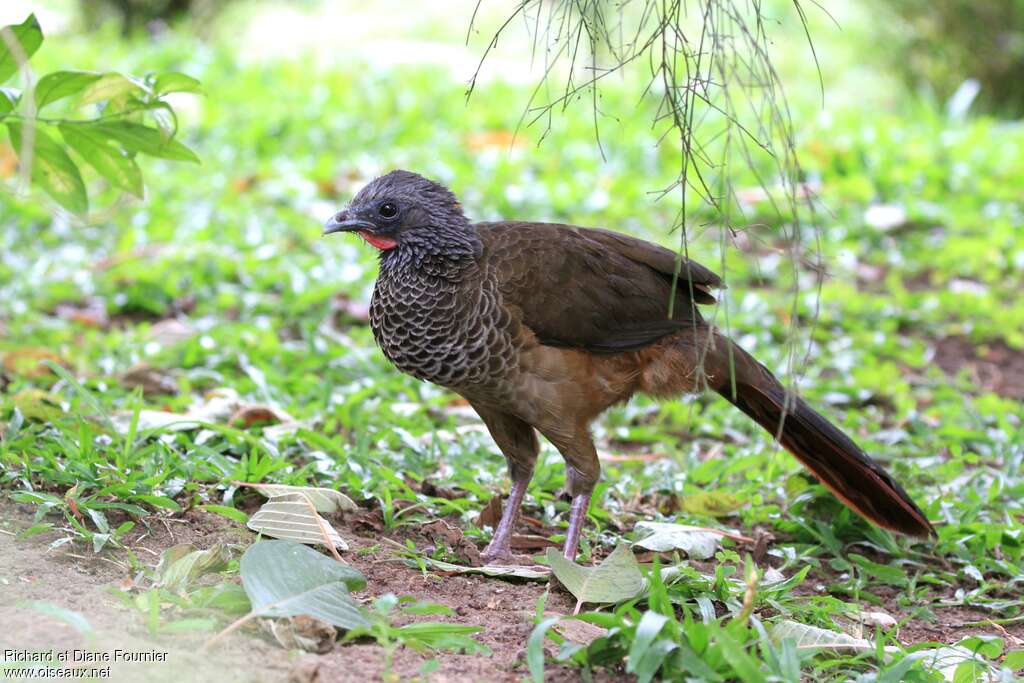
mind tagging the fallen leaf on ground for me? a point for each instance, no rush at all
(92, 312)
(454, 539)
(36, 404)
(247, 416)
(171, 331)
(152, 381)
(302, 632)
(31, 362)
(533, 573)
(617, 578)
(698, 543)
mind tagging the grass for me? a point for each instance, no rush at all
(233, 250)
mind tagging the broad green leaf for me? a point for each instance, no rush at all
(617, 578)
(175, 82)
(324, 500)
(109, 160)
(60, 84)
(29, 35)
(52, 168)
(1014, 660)
(285, 579)
(136, 137)
(493, 570)
(293, 517)
(182, 564)
(697, 543)
(109, 86)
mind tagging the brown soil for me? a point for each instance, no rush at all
(78, 580)
(992, 366)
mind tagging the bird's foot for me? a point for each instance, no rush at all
(504, 557)
(497, 556)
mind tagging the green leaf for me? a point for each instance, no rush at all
(109, 86)
(175, 82)
(285, 579)
(52, 168)
(652, 659)
(535, 648)
(109, 160)
(9, 98)
(138, 138)
(1014, 660)
(646, 631)
(61, 84)
(29, 35)
(617, 578)
(231, 513)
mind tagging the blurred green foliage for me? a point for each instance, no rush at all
(937, 45)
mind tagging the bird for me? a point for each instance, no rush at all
(542, 327)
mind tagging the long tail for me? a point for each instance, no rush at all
(831, 455)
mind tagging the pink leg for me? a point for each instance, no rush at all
(577, 515)
(500, 548)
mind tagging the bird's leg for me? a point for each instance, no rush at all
(577, 515)
(500, 547)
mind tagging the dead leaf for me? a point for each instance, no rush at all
(303, 632)
(247, 416)
(581, 632)
(429, 488)
(170, 332)
(533, 542)
(452, 537)
(491, 513)
(91, 313)
(39, 405)
(31, 362)
(152, 381)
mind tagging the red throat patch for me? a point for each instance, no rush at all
(382, 243)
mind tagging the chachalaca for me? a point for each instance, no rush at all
(543, 327)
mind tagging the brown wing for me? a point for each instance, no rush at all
(593, 289)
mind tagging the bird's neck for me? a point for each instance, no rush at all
(448, 253)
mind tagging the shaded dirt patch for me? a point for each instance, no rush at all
(993, 366)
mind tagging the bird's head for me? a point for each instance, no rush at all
(400, 208)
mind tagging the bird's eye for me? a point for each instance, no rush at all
(387, 210)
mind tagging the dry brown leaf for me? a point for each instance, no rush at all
(152, 381)
(247, 416)
(31, 362)
(92, 312)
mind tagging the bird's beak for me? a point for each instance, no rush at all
(341, 222)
